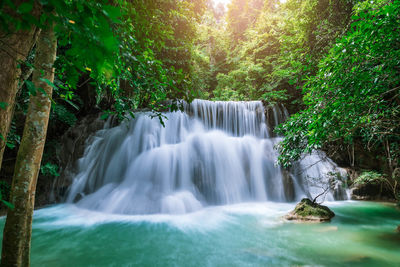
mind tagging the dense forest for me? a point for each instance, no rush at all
(334, 65)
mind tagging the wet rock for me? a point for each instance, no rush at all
(288, 185)
(307, 211)
(366, 192)
(274, 115)
(72, 148)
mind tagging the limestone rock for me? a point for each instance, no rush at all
(306, 211)
(72, 148)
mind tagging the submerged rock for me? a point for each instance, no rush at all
(308, 211)
(398, 229)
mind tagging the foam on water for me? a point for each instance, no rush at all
(213, 217)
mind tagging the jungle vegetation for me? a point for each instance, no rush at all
(334, 64)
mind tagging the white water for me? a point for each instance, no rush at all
(214, 153)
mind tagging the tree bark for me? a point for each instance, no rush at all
(18, 227)
(14, 48)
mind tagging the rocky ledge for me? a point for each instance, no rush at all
(307, 211)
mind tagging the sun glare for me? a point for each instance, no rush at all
(224, 2)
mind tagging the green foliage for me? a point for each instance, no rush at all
(202, 73)
(209, 55)
(355, 94)
(370, 177)
(13, 139)
(134, 54)
(61, 113)
(155, 55)
(354, 97)
(123, 54)
(49, 169)
(241, 15)
(226, 94)
(267, 49)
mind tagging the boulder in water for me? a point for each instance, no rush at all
(307, 211)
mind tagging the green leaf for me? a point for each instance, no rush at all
(72, 104)
(8, 204)
(25, 8)
(31, 87)
(104, 116)
(49, 169)
(40, 89)
(48, 82)
(10, 145)
(112, 12)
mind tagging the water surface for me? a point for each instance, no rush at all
(248, 234)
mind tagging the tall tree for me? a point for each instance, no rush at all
(94, 40)
(18, 227)
(15, 43)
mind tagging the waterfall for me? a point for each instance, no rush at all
(213, 153)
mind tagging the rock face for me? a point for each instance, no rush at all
(366, 192)
(71, 149)
(306, 211)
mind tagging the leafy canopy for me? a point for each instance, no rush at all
(355, 93)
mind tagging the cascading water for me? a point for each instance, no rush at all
(214, 153)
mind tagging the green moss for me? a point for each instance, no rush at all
(307, 208)
(308, 211)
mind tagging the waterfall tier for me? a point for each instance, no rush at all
(214, 153)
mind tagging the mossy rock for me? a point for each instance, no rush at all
(307, 211)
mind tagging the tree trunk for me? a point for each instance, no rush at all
(18, 228)
(14, 48)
